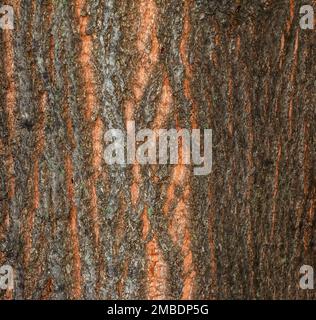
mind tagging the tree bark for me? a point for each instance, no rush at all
(73, 227)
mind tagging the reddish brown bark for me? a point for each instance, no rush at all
(74, 227)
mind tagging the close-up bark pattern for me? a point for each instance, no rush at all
(74, 227)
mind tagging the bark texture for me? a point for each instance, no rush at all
(75, 228)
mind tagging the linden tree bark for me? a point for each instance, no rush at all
(73, 227)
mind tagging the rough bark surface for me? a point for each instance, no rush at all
(75, 228)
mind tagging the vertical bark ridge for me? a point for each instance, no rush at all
(8, 124)
(76, 289)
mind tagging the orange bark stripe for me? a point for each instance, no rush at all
(179, 226)
(85, 59)
(185, 60)
(292, 80)
(147, 32)
(156, 265)
(146, 223)
(164, 105)
(97, 129)
(76, 290)
(276, 189)
(292, 13)
(157, 272)
(10, 99)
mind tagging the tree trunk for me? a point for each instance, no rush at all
(73, 227)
